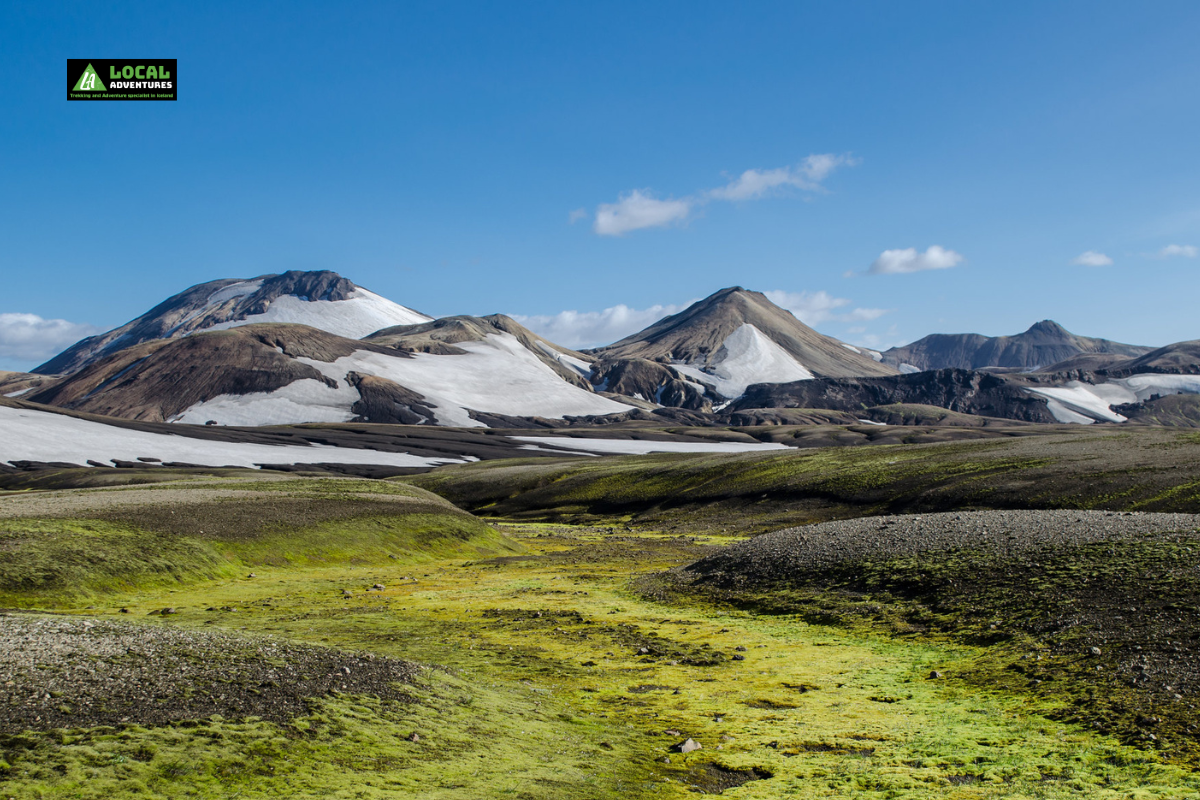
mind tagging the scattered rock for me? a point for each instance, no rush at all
(251, 575)
(379, 586)
(687, 746)
(414, 737)
(934, 675)
(740, 649)
(1095, 651)
(738, 657)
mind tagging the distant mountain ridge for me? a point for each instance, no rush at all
(1045, 343)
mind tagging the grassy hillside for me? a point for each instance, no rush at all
(1149, 469)
(68, 547)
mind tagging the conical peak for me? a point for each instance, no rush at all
(1048, 327)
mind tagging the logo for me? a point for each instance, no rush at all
(122, 79)
(89, 81)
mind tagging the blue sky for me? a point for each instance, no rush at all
(535, 158)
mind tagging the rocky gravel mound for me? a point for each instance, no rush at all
(812, 549)
(71, 672)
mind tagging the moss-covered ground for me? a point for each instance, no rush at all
(552, 678)
(1145, 469)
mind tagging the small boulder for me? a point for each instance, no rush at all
(740, 649)
(414, 737)
(934, 675)
(687, 746)
(251, 575)
(1095, 651)
(738, 657)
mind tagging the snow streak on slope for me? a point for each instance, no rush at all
(27, 435)
(641, 446)
(497, 375)
(570, 362)
(747, 356)
(363, 313)
(1086, 403)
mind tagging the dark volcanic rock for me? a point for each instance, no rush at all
(953, 389)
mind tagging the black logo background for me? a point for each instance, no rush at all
(76, 66)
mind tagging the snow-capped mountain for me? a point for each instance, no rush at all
(271, 374)
(322, 300)
(717, 347)
(1045, 343)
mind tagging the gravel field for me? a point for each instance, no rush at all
(813, 548)
(80, 502)
(61, 671)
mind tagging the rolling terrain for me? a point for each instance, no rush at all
(375, 639)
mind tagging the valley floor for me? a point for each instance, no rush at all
(548, 677)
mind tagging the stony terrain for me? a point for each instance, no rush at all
(62, 671)
(813, 549)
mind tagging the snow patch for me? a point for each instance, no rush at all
(641, 447)
(1079, 399)
(1085, 403)
(908, 369)
(747, 356)
(20, 392)
(871, 422)
(361, 314)
(27, 435)
(851, 348)
(497, 375)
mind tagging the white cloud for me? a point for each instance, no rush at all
(576, 215)
(754, 183)
(29, 338)
(898, 262)
(595, 328)
(1185, 250)
(1092, 258)
(640, 209)
(813, 308)
(636, 210)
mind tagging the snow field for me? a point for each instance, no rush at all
(747, 356)
(27, 435)
(497, 375)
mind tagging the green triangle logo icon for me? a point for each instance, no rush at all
(89, 81)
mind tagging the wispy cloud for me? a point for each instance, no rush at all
(29, 338)
(1183, 250)
(576, 215)
(1092, 258)
(640, 209)
(813, 308)
(909, 259)
(595, 328)
(807, 175)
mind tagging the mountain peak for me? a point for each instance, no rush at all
(743, 325)
(1048, 327)
(321, 299)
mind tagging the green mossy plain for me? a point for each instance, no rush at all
(537, 686)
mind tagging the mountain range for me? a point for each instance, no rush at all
(305, 347)
(1045, 343)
